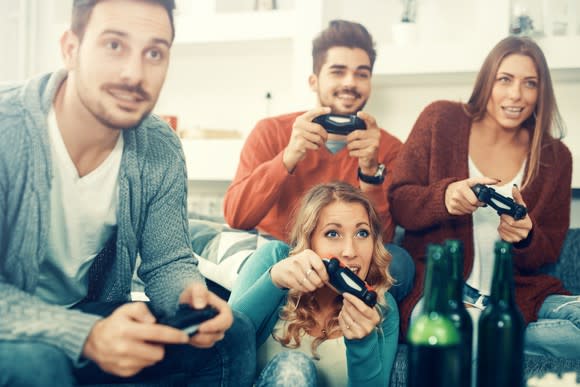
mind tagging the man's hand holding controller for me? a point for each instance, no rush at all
(130, 339)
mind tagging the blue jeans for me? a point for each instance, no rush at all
(557, 331)
(402, 269)
(231, 362)
(288, 368)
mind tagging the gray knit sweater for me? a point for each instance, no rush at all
(151, 221)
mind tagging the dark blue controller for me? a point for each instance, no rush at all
(340, 123)
(500, 203)
(188, 319)
(343, 280)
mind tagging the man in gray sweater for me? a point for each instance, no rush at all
(89, 180)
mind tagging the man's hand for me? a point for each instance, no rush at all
(460, 198)
(511, 230)
(364, 144)
(129, 340)
(212, 330)
(306, 135)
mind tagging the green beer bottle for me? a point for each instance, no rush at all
(434, 342)
(457, 312)
(501, 328)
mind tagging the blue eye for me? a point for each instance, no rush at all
(531, 84)
(363, 234)
(331, 234)
(114, 45)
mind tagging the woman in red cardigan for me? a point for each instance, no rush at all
(506, 135)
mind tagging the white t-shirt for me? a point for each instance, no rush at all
(330, 369)
(83, 216)
(485, 224)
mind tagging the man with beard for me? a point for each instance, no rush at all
(89, 179)
(285, 156)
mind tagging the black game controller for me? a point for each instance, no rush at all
(343, 280)
(188, 319)
(340, 123)
(502, 204)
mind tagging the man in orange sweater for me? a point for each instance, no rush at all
(285, 156)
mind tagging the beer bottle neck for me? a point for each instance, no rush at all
(436, 281)
(454, 251)
(502, 287)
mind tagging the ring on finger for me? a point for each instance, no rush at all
(308, 272)
(304, 280)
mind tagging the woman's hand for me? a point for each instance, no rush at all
(304, 272)
(356, 319)
(511, 230)
(460, 198)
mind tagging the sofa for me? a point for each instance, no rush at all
(222, 252)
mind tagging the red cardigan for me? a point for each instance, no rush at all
(263, 194)
(435, 155)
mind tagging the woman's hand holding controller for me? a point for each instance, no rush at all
(459, 197)
(511, 230)
(304, 272)
(356, 319)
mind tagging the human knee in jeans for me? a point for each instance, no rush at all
(557, 331)
(33, 364)
(288, 368)
(402, 269)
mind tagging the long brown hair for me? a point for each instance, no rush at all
(545, 120)
(300, 307)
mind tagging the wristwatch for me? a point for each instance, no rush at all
(376, 179)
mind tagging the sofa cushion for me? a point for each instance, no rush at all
(567, 269)
(222, 250)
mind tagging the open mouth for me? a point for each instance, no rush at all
(354, 268)
(512, 111)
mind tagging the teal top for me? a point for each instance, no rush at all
(151, 221)
(369, 360)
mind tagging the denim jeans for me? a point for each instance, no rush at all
(402, 269)
(288, 368)
(231, 362)
(557, 331)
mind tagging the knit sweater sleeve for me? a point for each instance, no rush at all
(548, 201)
(370, 360)
(259, 178)
(255, 295)
(417, 194)
(167, 262)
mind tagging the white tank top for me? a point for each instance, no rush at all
(485, 224)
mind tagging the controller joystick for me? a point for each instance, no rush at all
(188, 319)
(341, 124)
(343, 280)
(500, 203)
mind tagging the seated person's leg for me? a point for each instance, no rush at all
(34, 364)
(288, 368)
(402, 269)
(557, 331)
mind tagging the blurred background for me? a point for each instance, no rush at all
(237, 61)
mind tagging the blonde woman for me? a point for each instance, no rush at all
(308, 334)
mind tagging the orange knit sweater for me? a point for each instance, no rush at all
(263, 193)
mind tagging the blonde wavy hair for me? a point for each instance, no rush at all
(298, 313)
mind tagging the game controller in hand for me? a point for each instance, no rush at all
(502, 204)
(340, 123)
(188, 319)
(343, 280)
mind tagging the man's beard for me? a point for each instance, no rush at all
(99, 112)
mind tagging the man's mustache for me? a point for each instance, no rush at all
(134, 89)
(353, 92)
